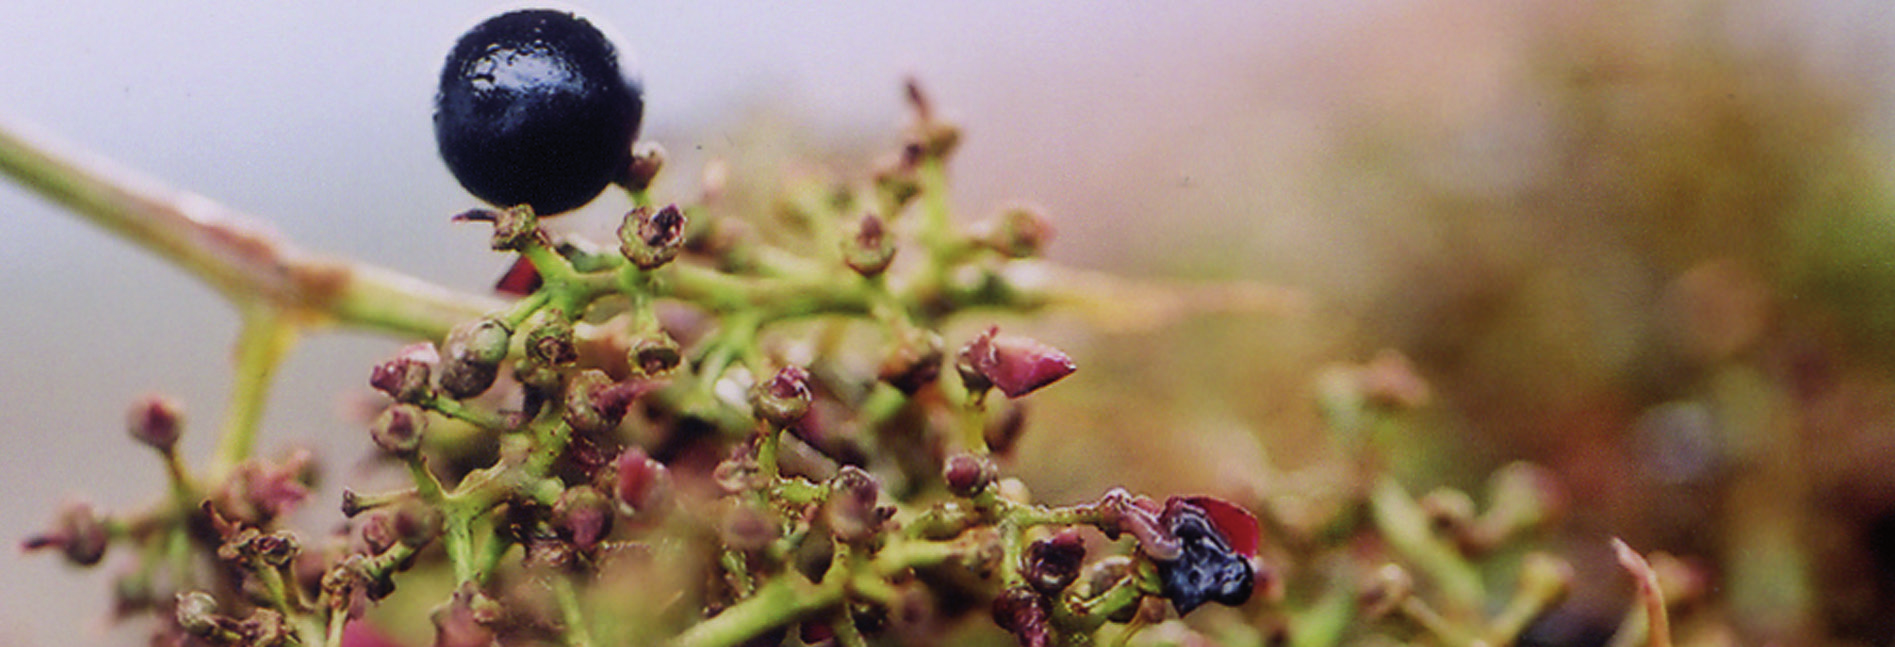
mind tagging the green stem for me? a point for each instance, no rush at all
(266, 337)
(1405, 527)
(577, 634)
(338, 620)
(775, 604)
(232, 251)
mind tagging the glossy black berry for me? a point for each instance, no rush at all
(1210, 570)
(534, 109)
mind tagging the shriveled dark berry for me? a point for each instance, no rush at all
(1210, 569)
(535, 109)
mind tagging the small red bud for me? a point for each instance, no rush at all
(643, 484)
(1051, 564)
(1023, 612)
(583, 516)
(156, 421)
(79, 534)
(967, 474)
(851, 509)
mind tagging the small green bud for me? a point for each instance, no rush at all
(416, 523)
(1020, 231)
(472, 353)
(513, 228)
(655, 354)
(649, 239)
(783, 399)
(549, 339)
(399, 428)
(197, 614)
(870, 249)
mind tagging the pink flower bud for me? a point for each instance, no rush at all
(1015, 365)
(643, 485)
(405, 378)
(156, 421)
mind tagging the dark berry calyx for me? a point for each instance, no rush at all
(1209, 569)
(534, 109)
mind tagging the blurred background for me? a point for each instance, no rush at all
(1648, 245)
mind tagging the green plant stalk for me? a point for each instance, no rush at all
(577, 633)
(1405, 527)
(231, 251)
(265, 338)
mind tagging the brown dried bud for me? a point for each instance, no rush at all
(649, 239)
(583, 516)
(406, 377)
(783, 399)
(1051, 564)
(399, 429)
(643, 484)
(851, 508)
(870, 249)
(1020, 231)
(513, 227)
(1022, 612)
(914, 363)
(378, 532)
(472, 355)
(79, 534)
(1016, 365)
(156, 421)
(967, 474)
(197, 614)
(647, 159)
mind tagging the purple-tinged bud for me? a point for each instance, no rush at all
(513, 228)
(747, 527)
(1015, 365)
(1020, 231)
(405, 378)
(783, 399)
(463, 622)
(378, 532)
(647, 159)
(399, 429)
(1051, 564)
(643, 484)
(595, 404)
(549, 339)
(1024, 613)
(583, 516)
(274, 550)
(649, 239)
(156, 421)
(870, 249)
(79, 534)
(472, 355)
(416, 523)
(914, 363)
(851, 509)
(967, 475)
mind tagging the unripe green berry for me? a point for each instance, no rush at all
(472, 355)
(649, 238)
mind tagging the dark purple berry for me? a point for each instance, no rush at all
(1210, 569)
(534, 109)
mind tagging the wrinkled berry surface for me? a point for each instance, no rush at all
(1210, 570)
(533, 108)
